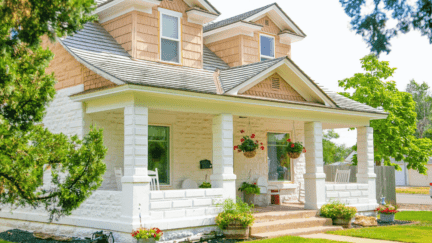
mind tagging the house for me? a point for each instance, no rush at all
(171, 86)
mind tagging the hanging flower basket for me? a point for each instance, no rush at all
(248, 146)
(294, 155)
(250, 154)
(295, 149)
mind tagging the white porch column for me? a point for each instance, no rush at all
(365, 155)
(136, 182)
(223, 155)
(314, 177)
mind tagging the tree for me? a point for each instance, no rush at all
(331, 151)
(26, 148)
(394, 136)
(374, 27)
(423, 108)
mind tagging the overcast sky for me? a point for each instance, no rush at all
(331, 51)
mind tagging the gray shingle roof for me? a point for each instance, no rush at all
(212, 61)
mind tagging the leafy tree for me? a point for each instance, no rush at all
(26, 148)
(423, 108)
(331, 151)
(374, 27)
(394, 136)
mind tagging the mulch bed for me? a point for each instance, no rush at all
(17, 235)
(381, 223)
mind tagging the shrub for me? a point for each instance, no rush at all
(239, 213)
(335, 210)
(205, 185)
(249, 188)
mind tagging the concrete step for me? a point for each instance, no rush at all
(286, 224)
(296, 232)
(281, 215)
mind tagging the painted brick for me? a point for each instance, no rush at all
(195, 193)
(330, 187)
(213, 210)
(355, 193)
(156, 195)
(195, 212)
(363, 200)
(160, 205)
(174, 194)
(363, 186)
(352, 201)
(202, 202)
(340, 187)
(365, 193)
(175, 214)
(182, 203)
(351, 187)
(344, 194)
(157, 214)
(332, 194)
(213, 192)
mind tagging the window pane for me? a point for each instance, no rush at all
(170, 26)
(158, 152)
(279, 163)
(267, 46)
(170, 51)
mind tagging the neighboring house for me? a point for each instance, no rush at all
(170, 88)
(349, 158)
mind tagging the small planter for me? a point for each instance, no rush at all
(250, 154)
(249, 198)
(236, 231)
(345, 223)
(387, 217)
(149, 240)
(294, 155)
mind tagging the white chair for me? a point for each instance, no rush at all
(118, 175)
(154, 183)
(302, 193)
(342, 176)
(265, 188)
(189, 184)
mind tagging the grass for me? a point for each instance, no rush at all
(2, 241)
(413, 190)
(421, 233)
(295, 239)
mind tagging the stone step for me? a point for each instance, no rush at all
(296, 232)
(287, 224)
(281, 215)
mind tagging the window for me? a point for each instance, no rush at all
(158, 152)
(267, 46)
(279, 164)
(170, 36)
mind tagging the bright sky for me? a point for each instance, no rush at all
(331, 51)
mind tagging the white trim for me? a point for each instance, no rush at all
(287, 38)
(238, 28)
(200, 17)
(177, 15)
(204, 4)
(119, 7)
(274, 47)
(103, 19)
(170, 12)
(170, 152)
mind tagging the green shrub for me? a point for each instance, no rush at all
(205, 185)
(249, 188)
(336, 209)
(239, 212)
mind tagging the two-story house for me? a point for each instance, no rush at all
(173, 87)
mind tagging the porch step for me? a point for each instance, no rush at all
(287, 224)
(281, 215)
(296, 232)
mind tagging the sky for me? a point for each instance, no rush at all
(332, 51)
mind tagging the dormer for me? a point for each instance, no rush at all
(261, 34)
(166, 31)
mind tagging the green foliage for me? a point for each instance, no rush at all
(205, 184)
(294, 147)
(335, 210)
(374, 26)
(249, 188)
(26, 148)
(239, 212)
(247, 144)
(421, 95)
(394, 136)
(143, 233)
(332, 152)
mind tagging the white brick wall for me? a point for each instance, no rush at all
(350, 194)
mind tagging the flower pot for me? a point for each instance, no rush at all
(345, 223)
(387, 217)
(236, 231)
(149, 240)
(294, 155)
(250, 154)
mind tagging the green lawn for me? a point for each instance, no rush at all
(421, 233)
(413, 190)
(295, 239)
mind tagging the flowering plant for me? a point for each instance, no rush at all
(295, 147)
(336, 210)
(247, 144)
(387, 209)
(143, 233)
(235, 212)
(250, 188)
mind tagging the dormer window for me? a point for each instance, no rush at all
(170, 36)
(267, 47)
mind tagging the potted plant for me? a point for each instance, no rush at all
(339, 213)
(249, 192)
(235, 219)
(248, 146)
(387, 212)
(144, 235)
(205, 184)
(294, 149)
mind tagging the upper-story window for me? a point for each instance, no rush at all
(170, 36)
(267, 47)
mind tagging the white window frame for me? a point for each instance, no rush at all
(170, 152)
(179, 16)
(274, 47)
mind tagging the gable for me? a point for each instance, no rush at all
(268, 25)
(275, 87)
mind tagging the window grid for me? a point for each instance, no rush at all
(162, 37)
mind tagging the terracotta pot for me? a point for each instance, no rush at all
(236, 231)
(250, 154)
(345, 223)
(294, 155)
(387, 217)
(150, 240)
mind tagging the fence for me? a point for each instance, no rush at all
(385, 181)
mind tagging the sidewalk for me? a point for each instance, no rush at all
(345, 238)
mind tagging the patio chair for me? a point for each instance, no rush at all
(154, 183)
(118, 175)
(342, 176)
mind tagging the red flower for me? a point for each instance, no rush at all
(289, 140)
(292, 145)
(262, 147)
(304, 150)
(254, 183)
(261, 143)
(235, 147)
(242, 131)
(242, 140)
(239, 150)
(256, 141)
(253, 136)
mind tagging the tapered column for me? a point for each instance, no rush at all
(314, 177)
(365, 156)
(136, 182)
(223, 155)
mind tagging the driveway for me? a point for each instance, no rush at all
(413, 199)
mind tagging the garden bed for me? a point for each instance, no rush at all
(17, 235)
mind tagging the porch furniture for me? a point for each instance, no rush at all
(342, 176)
(265, 188)
(302, 193)
(118, 175)
(154, 183)
(189, 184)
